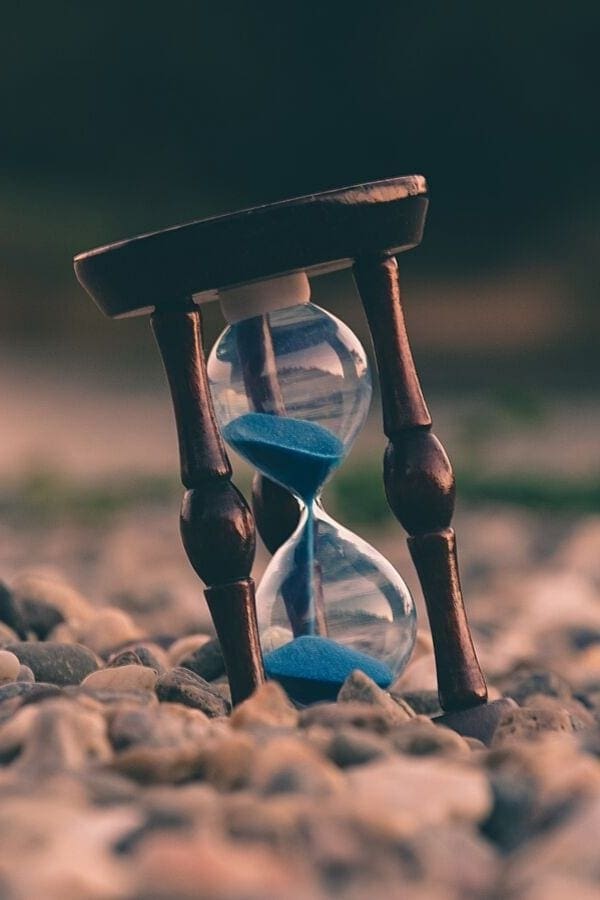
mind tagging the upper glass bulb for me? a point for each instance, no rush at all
(291, 390)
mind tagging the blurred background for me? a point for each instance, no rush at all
(120, 117)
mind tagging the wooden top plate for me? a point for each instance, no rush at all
(316, 233)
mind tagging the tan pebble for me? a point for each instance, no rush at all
(9, 666)
(407, 793)
(25, 674)
(228, 760)
(359, 688)
(42, 588)
(287, 765)
(527, 723)
(121, 678)
(475, 743)
(185, 646)
(420, 737)
(7, 635)
(268, 706)
(110, 628)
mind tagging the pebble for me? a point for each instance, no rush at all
(55, 663)
(62, 736)
(268, 707)
(186, 646)
(581, 717)
(153, 656)
(121, 678)
(27, 691)
(179, 685)
(7, 635)
(287, 765)
(359, 688)
(523, 684)
(44, 601)
(123, 658)
(163, 725)
(335, 715)
(9, 666)
(207, 867)
(425, 703)
(108, 630)
(527, 723)
(420, 737)
(206, 661)
(410, 793)
(10, 615)
(355, 746)
(25, 674)
(227, 761)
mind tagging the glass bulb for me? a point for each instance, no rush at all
(291, 390)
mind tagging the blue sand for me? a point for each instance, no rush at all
(294, 452)
(314, 667)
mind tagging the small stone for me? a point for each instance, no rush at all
(186, 646)
(121, 678)
(153, 656)
(109, 629)
(9, 612)
(359, 688)
(426, 703)
(55, 663)
(123, 658)
(526, 723)
(42, 598)
(581, 718)
(523, 683)
(164, 725)
(268, 707)
(7, 635)
(28, 692)
(275, 636)
(420, 737)
(206, 661)
(227, 760)
(25, 674)
(182, 686)
(474, 743)
(110, 698)
(9, 666)
(336, 715)
(513, 812)
(355, 747)
(409, 793)
(158, 744)
(289, 766)
(63, 735)
(207, 867)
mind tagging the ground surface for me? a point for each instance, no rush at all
(137, 783)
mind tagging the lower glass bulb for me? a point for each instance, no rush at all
(328, 604)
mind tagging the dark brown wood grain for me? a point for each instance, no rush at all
(420, 485)
(217, 527)
(316, 233)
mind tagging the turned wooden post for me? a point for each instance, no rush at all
(419, 484)
(217, 527)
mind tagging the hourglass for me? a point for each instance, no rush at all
(290, 387)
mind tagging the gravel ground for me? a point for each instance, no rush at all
(124, 774)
